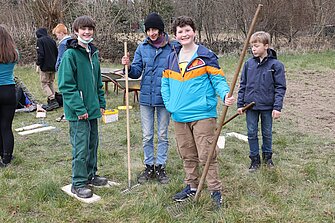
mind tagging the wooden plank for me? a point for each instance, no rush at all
(47, 128)
(29, 127)
(94, 198)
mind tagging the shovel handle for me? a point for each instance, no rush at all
(127, 116)
(225, 108)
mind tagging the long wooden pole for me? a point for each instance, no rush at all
(225, 108)
(127, 114)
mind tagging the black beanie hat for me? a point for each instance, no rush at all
(153, 20)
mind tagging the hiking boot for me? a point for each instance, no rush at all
(98, 181)
(267, 159)
(147, 174)
(217, 198)
(255, 163)
(82, 192)
(161, 174)
(184, 194)
(52, 104)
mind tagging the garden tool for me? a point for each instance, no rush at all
(225, 108)
(128, 128)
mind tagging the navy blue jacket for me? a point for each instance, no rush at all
(263, 82)
(149, 62)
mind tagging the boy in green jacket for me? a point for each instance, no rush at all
(79, 80)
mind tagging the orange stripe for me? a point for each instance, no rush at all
(214, 70)
(193, 73)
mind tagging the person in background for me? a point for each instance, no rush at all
(263, 82)
(8, 59)
(61, 32)
(190, 84)
(148, 63)
(79, 80)
(46, 60)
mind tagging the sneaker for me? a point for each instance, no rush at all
(98, 181)
(217, 198)
(255, 163)
(184, 194)
(147, 174)
(82, 192)
(161, 174)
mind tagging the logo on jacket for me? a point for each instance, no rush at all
(196, 64)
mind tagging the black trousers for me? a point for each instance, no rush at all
(7, 111)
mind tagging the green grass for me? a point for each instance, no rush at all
(300, 189)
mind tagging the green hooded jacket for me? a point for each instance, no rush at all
(79, 80)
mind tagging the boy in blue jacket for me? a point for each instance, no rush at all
(262, 81)
(190, 84)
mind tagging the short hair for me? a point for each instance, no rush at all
(260, 37)
(83, 21)
(60, 28)
(182, 21)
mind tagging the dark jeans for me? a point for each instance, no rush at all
(7, 111)
(266, 127)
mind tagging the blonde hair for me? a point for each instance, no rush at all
(260, 37)
(60, 28)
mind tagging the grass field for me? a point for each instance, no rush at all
(300, 189)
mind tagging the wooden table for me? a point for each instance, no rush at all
(110, 75)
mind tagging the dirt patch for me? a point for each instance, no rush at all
(310, 102)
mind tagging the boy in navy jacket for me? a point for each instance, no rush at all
(262, 81)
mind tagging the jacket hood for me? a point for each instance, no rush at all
(202, 51)
(271, 54)
(41, 32)
(73, 43)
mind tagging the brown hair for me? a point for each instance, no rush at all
(83, 21)
(60, 28)
(8, 53)
(182, 21)
(260, 37)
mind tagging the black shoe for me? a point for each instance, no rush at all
(217, 198)
(6, 159)
(98, 181)
(255, 163)
(267, 159)
(2, 165)
(147, 174)
(184, 194)
(52, 104)
(161, 174)
(82, 192)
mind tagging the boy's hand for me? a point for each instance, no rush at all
(276, 114)
(102, 111)
(83, 117)
(125, 60)
(229, 100)
(240, 111)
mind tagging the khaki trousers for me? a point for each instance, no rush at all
(47, 81)
(194, 141)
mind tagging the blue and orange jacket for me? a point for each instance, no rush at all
(192, 96)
